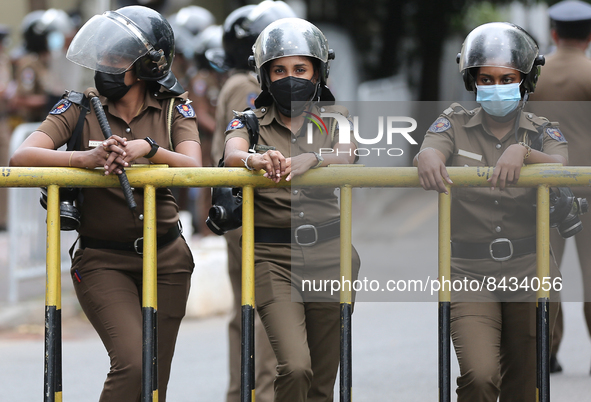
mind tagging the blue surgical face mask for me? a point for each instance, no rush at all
(55, 41)
(498, 100)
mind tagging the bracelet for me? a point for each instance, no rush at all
(70, 160)
(528, 153)
(246, 162)
(424, 149)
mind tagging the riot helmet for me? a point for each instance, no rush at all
(500, 44)
(242, 27)
(292, 37)
(134, 36)
(42, 27)
(210, 38)
(193, 18)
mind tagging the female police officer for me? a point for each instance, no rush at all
(131, 50)
(291, 59)
(493, 229)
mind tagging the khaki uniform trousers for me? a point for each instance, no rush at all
(110, 293)
(265, 361)
(305, 336)
(495, 341)
(582, 241)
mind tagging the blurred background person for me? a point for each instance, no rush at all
(5, 79)
(566, 86)
(189, 25)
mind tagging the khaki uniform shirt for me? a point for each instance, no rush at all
(32, 77)
(104, 211)
(284, 207)
(563, 94)
(480, 215)
(238, 93)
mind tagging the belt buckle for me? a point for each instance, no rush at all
(136, 245)
(501, 240)
(295, 235)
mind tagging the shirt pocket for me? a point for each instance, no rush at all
(469, 193)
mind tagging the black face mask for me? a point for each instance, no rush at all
(111, 86)
(292, 89)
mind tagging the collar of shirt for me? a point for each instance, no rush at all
(478, 120)
(149, 101)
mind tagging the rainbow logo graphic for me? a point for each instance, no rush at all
(317, 121)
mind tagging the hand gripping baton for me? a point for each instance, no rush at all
(106, 129)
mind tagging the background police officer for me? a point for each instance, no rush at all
(566, 80)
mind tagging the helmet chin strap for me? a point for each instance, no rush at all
(519, 110)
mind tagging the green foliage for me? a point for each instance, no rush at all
(482, 12)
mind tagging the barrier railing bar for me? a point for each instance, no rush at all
(444, 251)
(247, 387)
(53, 350)
(346, 372)
(543, 296)
(149, 300)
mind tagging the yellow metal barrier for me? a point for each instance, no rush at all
(540, 176)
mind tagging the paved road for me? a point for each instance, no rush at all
(394, 343)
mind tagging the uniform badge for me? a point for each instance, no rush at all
(234, 124)
(250, 98)
(440, 125)
(186, 110)
(61, 107)
(555, 133)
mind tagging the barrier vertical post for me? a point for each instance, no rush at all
(346, 380)
(149, 300)
(53, 319)
(444, 296)
(543, 294)
(247, 388)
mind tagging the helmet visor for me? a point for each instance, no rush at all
(499, 45)
(108, 44)
(290, 37)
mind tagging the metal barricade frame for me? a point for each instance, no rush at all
(541, 176)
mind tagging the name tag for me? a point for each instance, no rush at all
(470, 155)
(94, 144)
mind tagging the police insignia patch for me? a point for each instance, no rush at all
(234, 124)
(186, 110)
(555, 133)
(61, 107)
(440, 125)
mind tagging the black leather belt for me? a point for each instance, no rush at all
(499, 249)
(137, 245)
(304, 235)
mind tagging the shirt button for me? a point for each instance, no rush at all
(293, 140)
(496, 202)
(498, 146)
(141, 217)
(263, 110)
(301, 214)
(498, 229)
(295, 192)
(128, 130)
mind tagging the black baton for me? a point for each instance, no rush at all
(106, 129)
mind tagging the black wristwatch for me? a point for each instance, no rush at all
(154, 147)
